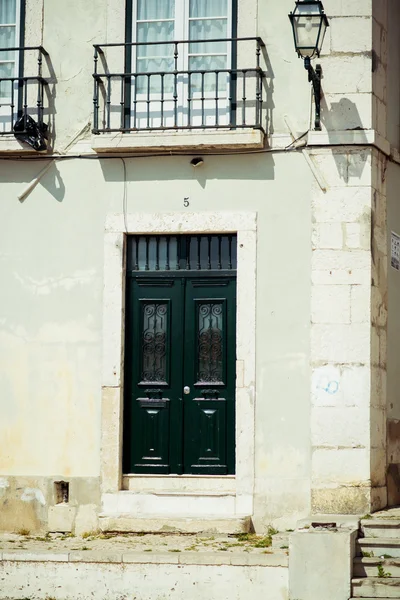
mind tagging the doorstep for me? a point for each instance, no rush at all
(210, 524)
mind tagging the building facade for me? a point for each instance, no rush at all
(198, 308)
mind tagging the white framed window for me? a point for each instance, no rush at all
(163, 98)
(10, 28)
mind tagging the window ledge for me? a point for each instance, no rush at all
(10, 145)
(159, 141)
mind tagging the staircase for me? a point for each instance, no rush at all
(376, 572)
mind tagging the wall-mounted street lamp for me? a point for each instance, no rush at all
(309, 23)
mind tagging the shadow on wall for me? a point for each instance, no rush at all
(268, 91)
(344, 116)
(50, 91)
(247, 166)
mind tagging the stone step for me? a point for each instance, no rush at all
(376, 587)
(378, 547)
(280, 541)
(212, 524)
(368, 567)
(381, 528)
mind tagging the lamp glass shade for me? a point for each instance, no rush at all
(309, 23)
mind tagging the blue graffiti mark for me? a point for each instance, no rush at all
(332, 388)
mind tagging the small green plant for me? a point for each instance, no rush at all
(284, 547)
(174, 550)
(148, 550)
(387, 556)
(366, 554)
(245, 537)
(272, 531)
(264, 542)
(224, 549)
(289, 530)
(382, 572)
(89, 534)
(23, 531)
(366, 517)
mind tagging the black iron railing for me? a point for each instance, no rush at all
(22, 97)
(126, 99)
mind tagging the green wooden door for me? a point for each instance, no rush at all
(180, 369)
(153, 372)
(209, 376)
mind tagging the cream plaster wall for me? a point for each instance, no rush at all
(51, 257)
(52, 263)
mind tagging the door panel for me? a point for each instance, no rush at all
(209, 374)
(153, 405)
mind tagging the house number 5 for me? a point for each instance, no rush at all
(186, 202)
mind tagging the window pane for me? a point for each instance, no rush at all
(155, 32)
(7, 40)
(155, 9)
(163, 65)
(6, 70)
(208, 29)
(207, 63)
(208, 8)
(8, 11)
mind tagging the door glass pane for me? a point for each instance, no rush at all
(208, 8)
(7, 11)
(208, 29)
(6, 70)
(210, 343)
(155, 32)
(159, 65)
(155, 57)
(154, 343)
(155, 9)
(208, 64)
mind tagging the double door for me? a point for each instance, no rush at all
(179, 412)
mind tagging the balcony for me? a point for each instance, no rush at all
(197, 101)
(22, 99)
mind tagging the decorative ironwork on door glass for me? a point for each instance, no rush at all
(210, 343)
(154, 343)
(182, 252)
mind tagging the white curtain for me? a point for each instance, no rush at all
(8, 13)
(155, 57)
(208, 8)
(155, 10)
(202, 27)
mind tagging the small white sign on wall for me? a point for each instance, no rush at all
(395, 251)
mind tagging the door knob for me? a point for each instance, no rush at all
(186, 389)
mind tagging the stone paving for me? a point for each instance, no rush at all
(245, 549)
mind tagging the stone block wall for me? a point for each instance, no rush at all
(348, 332)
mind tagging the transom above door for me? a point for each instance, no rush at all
(181, 78)
(180, 355)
